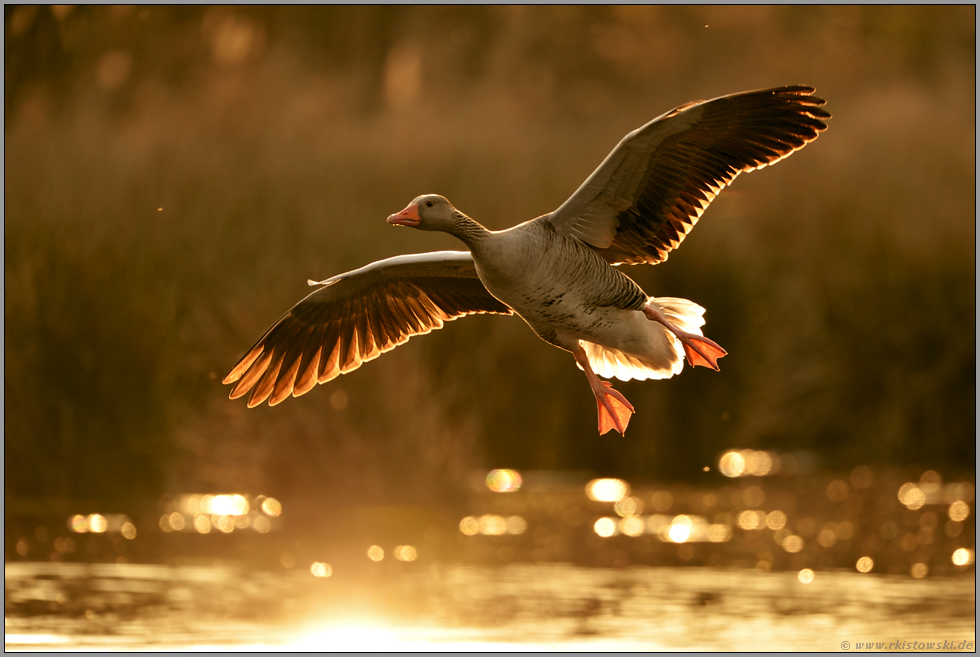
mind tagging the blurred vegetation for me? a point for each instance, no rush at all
(174, 175)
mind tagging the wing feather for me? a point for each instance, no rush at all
(653, 187)
(356, 317)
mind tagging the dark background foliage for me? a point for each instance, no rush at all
(174, 175)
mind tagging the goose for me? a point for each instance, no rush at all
(558, 272)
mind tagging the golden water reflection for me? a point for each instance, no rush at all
(519, 607)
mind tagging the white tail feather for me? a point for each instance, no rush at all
(662, 355)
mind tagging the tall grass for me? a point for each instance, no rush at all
(157, 224)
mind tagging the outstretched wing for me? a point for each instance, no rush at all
(356, 317)
(649, 192)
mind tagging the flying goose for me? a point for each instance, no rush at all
(557, 272)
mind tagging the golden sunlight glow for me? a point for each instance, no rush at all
(607, 490)
(805, 576)
(78, 524)
(632, 525)
(731, 464)
(128, 531)
(165, 523)
(963, 557)
(97, 523)
(605, 527)
(865, 564)
(919, 570)
(911, 496)
(959, 511)
(469, 526)
(261, 524)
(504, 481)
(224, 523)
(375, 553)
(320, 569)
(271, 507)
(792, 543)
(406, 553)
(516, 525)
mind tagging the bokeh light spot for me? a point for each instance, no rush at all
(469, 526)
(321, 569)
(911, 496)
(492, 525)
(628, 506)
(776, 520)
(97, 523)
(731, 464)
(718, 533)
(78, 524)
(516, 525)
(202, 523)
(177, 521)
(504, 481)
(749, 520)
(607, 490)
(376, 553)
(959, 511)
(632, 526)
(261, 524)
(405, 553)
(792, 543)
(605, 527)
(271, 507)
(865, 564)
(962, 557)
(680, 529)
(757, 463)
(919, 570)
(827, 537)
(128, 530)
(805, 576)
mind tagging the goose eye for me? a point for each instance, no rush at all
(428, 204)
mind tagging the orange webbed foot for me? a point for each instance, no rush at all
(702, 351)
(614, 410)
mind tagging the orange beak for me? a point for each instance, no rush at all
(407, 217)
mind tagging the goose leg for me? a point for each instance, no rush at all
(614, 409)
(699, 349)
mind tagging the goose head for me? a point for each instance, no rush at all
(428, 212)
